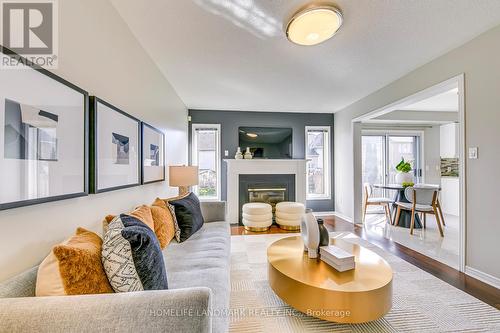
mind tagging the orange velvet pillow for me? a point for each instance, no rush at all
(164, 225)
(143, 214)
(74, 268)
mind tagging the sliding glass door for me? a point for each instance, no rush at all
(406, 147)
(382, 152)
(373, 159)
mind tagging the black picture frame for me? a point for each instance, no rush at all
(93, 183)
(85, 95)
(143, 125)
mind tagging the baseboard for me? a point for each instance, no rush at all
(323, 213)
(484, 277)
(343, 217)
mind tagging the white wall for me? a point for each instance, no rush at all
(480, 62)
(99, 54)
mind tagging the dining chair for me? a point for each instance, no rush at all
(376, 201)
(438, 201)
(421, 200)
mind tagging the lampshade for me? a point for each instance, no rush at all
(183, 175)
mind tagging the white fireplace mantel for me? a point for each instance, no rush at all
(235, 168)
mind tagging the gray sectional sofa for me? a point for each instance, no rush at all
(197, 301)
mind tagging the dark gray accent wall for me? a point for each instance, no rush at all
(230, 121)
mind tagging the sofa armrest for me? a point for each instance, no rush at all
(176, 310)
(213, 211)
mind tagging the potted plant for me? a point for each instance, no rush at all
(404, 174)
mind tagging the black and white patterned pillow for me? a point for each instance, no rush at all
(132, 257)
(177, 230)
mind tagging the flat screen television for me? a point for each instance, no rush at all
(266, 142)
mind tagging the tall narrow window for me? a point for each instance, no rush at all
(318, 165)
(205, 153)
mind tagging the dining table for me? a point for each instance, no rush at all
(405, 217)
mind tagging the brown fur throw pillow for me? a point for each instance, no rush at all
(74, 268)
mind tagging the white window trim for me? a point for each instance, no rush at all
(327, 161)
(194, 157)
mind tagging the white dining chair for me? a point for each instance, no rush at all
(421, 200)
(369, 200)
(438, 202)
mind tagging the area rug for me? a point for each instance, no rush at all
(421, 303)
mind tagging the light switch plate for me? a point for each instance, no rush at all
(473, 153)
(226, 153)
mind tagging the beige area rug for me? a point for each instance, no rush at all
(422, 302)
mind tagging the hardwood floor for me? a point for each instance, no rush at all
(474, 287)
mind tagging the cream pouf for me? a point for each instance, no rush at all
(257, 216)
(289, 215)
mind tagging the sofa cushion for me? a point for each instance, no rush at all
(73, 268)
(22, 285)
(132, 256)
(188, 215)
(203, 261)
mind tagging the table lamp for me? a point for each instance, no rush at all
(183, 176)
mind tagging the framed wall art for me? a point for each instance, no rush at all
(115, 148)
(153, 154)
(43, 137)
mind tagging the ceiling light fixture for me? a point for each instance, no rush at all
(252, 135)
(314, 24)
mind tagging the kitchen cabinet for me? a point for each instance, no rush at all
(450, 195)
(449, 140)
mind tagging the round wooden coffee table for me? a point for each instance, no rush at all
(316, 289)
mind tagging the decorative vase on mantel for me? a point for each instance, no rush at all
(248, 154)
(239, 154)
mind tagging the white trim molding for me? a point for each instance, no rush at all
(484, 277)
(235, 168)
(326, 162)
(343, 217)
(194, 157)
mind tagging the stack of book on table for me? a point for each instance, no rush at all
(336, 257)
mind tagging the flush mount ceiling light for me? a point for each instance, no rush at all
(314, 24)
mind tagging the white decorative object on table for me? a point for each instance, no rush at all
(239, 154)
(310, 234)
(404, 177)
(248, 154)
(338, 258)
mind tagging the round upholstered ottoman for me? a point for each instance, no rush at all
(257, 216)
(289, 215)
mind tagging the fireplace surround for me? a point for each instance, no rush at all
(295, 168)
(270, 189)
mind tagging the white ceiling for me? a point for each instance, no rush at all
(447, 101)
(233, 54)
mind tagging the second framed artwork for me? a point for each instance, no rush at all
(153, 156)
(115, 148)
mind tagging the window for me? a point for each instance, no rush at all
(205, 153)
(381, 152)
(318, 165)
